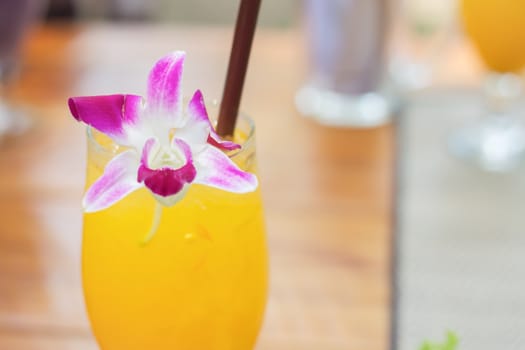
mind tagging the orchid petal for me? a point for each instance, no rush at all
(118, 180)
(197, 108)
(195, 133)
(166, 181)
(164, 86)
(215, 140)
(109, 114)
(217, 170)
(151, 146)
(197, 112)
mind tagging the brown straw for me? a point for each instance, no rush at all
(240, 54)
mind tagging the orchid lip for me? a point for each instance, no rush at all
(165, 180)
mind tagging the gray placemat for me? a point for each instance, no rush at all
(461, 238)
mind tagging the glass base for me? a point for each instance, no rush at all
(334, 109)
(496, 144)
(13, 121)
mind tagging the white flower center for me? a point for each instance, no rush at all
(167, 156)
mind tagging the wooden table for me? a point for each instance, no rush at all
(327, 191)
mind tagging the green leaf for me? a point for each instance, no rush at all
(451, 343)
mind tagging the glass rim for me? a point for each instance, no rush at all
(113, 148)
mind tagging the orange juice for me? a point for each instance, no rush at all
(199, 284)
(497, 28)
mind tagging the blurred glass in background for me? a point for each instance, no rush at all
(346, 41)
(496, 142)
(366, 56)
(15, 18)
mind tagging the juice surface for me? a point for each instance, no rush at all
(199, 284)
(497, 28)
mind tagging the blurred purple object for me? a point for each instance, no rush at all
(15, 18)
(346, 43)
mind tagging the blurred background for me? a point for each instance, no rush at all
(403, 118)
(275, 13)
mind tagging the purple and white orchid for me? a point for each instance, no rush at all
(167, 149)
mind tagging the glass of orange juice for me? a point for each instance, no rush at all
(198, 284)
(497, 30)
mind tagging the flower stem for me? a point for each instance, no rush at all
(154, 225)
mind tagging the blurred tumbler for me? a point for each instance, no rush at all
(15, 16)
(346, 43)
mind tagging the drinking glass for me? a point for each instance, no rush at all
(15, 17)
(199, 284)
(497, 29)
(346, 42)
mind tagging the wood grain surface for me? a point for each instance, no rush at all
(327, 191)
